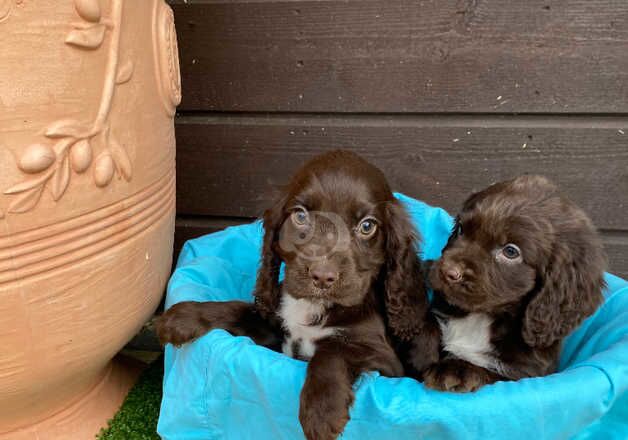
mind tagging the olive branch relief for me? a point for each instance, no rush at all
(6, 8)
(69, 145)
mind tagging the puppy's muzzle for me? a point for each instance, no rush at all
(323, 275)
(451, 273)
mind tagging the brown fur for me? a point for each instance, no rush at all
(534, 300)
(338, 190)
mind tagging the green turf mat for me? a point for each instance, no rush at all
(137, 418)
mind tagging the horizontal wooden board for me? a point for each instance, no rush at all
(233, 166)
(404, 56)
(192, 227)
(616, 244)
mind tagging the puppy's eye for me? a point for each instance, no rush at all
(367, 227)
(511, 251)
(300, 216)
(459, 229)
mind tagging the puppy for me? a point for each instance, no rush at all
(522, 268)
(348, 247)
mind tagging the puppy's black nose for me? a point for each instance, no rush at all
(452, 274)
(323, 276)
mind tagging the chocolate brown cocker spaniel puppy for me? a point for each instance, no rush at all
(347, 243)
(523, 267)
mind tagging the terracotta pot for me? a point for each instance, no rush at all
(88, 90)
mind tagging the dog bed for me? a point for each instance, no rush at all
(225, 387)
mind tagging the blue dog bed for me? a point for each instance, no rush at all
(225, 387)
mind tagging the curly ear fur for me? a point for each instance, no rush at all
(405, 295)
(571, 284)
(267, 283)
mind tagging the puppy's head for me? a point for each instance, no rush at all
(521, 243)
(333, 228)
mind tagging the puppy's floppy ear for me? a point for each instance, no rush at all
(570, 286)
(267, 283)
(405, 295)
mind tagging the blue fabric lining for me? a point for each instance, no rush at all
(225, 387)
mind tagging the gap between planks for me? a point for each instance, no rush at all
(480, 120)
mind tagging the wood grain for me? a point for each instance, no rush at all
(187, 227)
(616, 244)
(395, 56)
(445, 96)
(232, 166)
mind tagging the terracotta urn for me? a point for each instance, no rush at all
(88, 90)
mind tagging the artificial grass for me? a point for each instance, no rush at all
(137, 418)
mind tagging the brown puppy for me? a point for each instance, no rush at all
(523, 267)
(348, 246)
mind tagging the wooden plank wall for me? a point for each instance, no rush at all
(445, 96)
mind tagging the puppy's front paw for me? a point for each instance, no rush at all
(424, 349)
(457, 375)
(179, 324)
(324, 412)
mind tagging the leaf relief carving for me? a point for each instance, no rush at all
(89, 38)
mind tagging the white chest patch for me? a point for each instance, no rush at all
(469, 338)
(304, 321)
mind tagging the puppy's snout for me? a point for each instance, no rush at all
(452, 274)
(323, 275)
